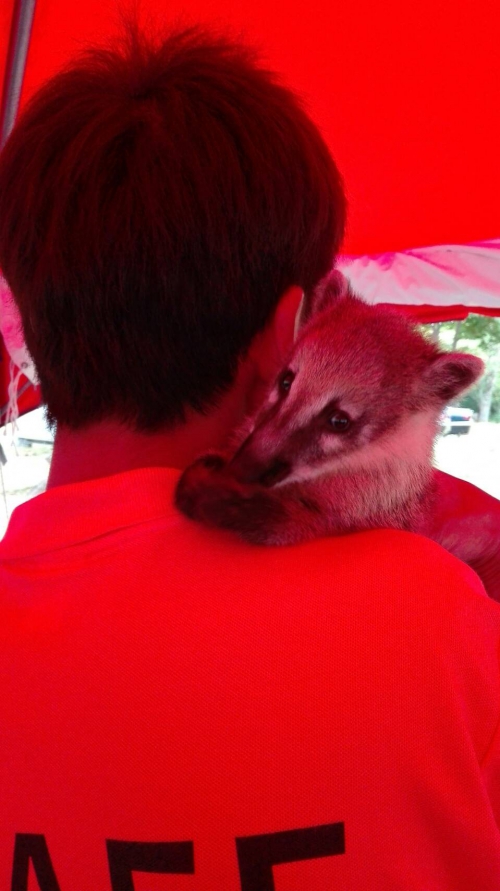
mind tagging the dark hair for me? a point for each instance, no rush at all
(156, 199)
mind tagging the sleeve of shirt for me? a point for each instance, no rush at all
(491, 769)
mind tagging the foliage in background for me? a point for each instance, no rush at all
(479, 335)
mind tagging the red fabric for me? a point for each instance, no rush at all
(413, 128)
(166, 683)
(6, 12)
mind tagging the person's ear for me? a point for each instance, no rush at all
(284, 320)
(272, 346)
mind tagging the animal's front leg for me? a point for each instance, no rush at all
(207, 492)
(466, 521)
(487, 567)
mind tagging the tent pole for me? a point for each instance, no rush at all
(20, 32)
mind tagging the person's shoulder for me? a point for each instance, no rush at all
(387, 562)
(390, 569)
(385, 553)
(405, 563)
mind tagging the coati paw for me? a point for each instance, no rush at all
(195, 481)
(208, 492)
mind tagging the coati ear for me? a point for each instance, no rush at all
(449, 374)
(335, 286)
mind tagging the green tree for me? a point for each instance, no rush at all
(480, 335)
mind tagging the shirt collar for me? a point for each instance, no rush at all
(71, 514)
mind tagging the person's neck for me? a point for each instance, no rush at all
(110, 447)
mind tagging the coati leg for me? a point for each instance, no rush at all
(206, 492)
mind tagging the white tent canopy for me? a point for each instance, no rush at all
(444, 275)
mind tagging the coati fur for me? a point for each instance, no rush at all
(344, 439)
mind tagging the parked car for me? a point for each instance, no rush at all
(456, 420)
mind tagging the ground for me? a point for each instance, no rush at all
(474, 457)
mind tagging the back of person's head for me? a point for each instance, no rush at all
(156, 199)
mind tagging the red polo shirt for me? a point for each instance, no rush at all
(180, 710)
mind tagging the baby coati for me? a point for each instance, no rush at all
(344, 439)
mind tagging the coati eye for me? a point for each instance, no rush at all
(285, 381)
(339, 421)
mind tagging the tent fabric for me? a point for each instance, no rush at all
(11, 329)
(441, 282)
(405, 94)
(19, 390)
